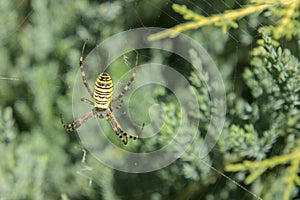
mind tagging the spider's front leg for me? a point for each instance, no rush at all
(77, 123)
(118, 130)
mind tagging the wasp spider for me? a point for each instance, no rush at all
(102, 96)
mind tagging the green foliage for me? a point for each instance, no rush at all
(284, 11)
(246, 141)
(259, 147)
(273, 80)
(39, 39)
(289, 179)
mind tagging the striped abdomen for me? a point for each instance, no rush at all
(103, 91)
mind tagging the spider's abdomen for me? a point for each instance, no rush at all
(103, 91)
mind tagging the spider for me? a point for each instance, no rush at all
(102, 96)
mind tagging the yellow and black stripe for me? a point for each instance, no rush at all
(103, 91)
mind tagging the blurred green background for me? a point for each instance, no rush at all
(40, 45)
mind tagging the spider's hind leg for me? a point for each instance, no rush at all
(117, 106)
(118, 98)
(81, 66)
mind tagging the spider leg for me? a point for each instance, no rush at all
(77, 123)
(83, 73)
(141, 129)
(118, 130)
(118, 98)
(87, 101)
(117, 106)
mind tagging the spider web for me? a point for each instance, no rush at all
(236, 40)
(166, 14)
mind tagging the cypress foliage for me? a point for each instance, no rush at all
(257, 155)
